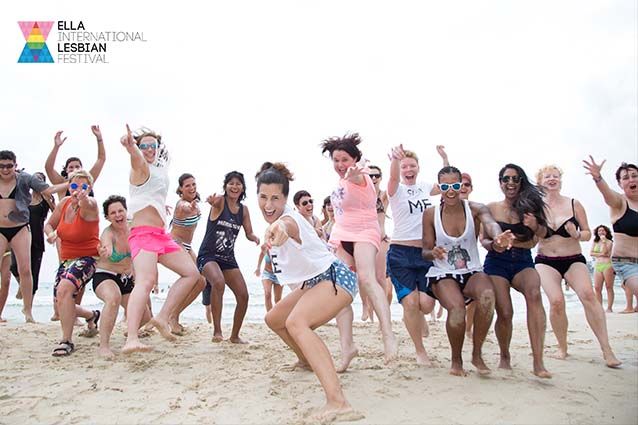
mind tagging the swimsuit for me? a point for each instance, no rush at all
(218, 244)
(560, 264)
(10, 232)
(600, 266)
(626, 267)
(562, 231)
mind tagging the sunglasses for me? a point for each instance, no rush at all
(446, 186)
(375, 176)
(309, 201)
(144, 146)
(6, 166)
(467, 184)
(74, 186)
(515, 179)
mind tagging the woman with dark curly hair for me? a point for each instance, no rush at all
(603, 270)
(216, 258)
(522, 211)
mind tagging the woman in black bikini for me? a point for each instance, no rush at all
(560, 257)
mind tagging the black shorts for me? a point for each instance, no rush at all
(560, 264)
(461, 280)
(124, 282)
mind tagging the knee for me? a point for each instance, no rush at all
(426, 305)
(146, 284)
(487, 299)
(533, 294)
(410, 303)
(557, 304)
(200, 284)
(65, 290)
(588, 296)
(24, 270)
(504, 314)
(456, 315)
(365, 279)
(242, 297)
(218, 285)
(294, 326)
(268, 293)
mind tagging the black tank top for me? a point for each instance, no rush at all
(628, 223)
(219, 240)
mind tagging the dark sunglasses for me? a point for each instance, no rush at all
(515, 179)
(375, 176)
(74, 186)
(467, 184)
(6, 166)
(309, 201)
(144, 146)
(446, 186)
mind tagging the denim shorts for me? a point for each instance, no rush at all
(624, 267)
(407, 268)
(340, 275)
(266, 275)
(509, 263)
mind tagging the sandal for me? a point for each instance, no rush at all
(91, 332)
(64, 349)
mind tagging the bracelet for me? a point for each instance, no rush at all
(598, 180)
(100, 140)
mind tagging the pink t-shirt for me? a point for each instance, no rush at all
(355, 209)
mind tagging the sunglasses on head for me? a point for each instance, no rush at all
(6, 166)
(515, 179)
(144, 146)
(446, 186)
(74, 186)
(309, 201)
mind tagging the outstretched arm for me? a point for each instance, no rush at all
(248, 227)
(101, 153)
(49, 165)
(612, 198)
(139, 167)
(396, 155)
(492, 236)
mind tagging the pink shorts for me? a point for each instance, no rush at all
(151, 239)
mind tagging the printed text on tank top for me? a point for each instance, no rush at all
(628, 223)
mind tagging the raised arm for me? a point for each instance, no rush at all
(280, 231)
(139, 166)
(396, 155)
(49, 165)
(248, 226)
(101, 153)
(613, 199)
(440, 149)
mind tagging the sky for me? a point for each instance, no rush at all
(232, 84)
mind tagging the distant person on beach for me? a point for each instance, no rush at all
(409, 198)
(216, 258)
(75, 222)
(623, 211)
(185, 218)
(328, 286)
(450, 233)
(268, 280)
(15, 198)
(603, 270)
(329, 217)
(149, 242)
(560, 257)
(357, 238)
(305, 205)
(522, 212)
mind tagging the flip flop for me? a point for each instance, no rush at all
(65, 348)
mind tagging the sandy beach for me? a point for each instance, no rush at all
(196, 381)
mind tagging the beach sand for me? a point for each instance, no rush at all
(196, 381)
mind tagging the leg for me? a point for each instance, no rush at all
(481, 290)
(109, 293)
(578, 278)
(267, 283)
(215, 277)
(504, 314)
(413, 319)
(145, 264)
(276, 320)
(527, 281)
(629, 297)
(66, 308)
(469, 319)
(278, 289)
(348, 350)
(21, 245)
(449, 295)
(176, 328)
(551, 282)
(598, 286)
(237, 284)
(315, 307)
(609, 284)
(426, 305)
(364, 255)
(5, 280)
(632, 284)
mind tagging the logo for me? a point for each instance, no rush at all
(36, 50)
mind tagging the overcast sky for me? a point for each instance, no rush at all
(232, 84)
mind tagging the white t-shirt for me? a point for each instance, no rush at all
(152, 192)
(408, 205)
(293, 262)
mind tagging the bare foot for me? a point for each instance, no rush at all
(611, 360)
(505, 363)
(609, 310)
(425, 329)
(560, 354)
(3, 320)
(541, 372)
(390, 347)
(237, 340)
(627, 310)
(55, 318)
(19, 294)
(135, 346)
(162, 327)
(105, 353)
(28, 317)
(423, 359)
(346, 359)
(218, 337)
(457, 369)
(480, 366)
(302, 365)
(335, 413)
(364, 315)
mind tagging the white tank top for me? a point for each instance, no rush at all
(462, 252)
(293, 262)
(152, 192)
(408, 205)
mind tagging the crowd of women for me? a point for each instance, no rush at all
(431, 254)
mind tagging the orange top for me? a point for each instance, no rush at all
(79, 238)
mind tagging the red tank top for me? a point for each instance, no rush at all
(79, 238)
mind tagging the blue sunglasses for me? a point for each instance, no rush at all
(74, 186)
(446, 186)
(144, 146)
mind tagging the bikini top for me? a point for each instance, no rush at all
(562, 231)
(380, 207)
(187, 221)
(521, 231)
(116, 257)
(628, 223)
(598, 248)
(12, 195)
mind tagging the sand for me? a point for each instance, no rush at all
(196, 381)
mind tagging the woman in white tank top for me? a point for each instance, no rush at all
(298, 255)
(450, 233)
(149, 242)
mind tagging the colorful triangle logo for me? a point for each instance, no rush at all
(35, 50)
